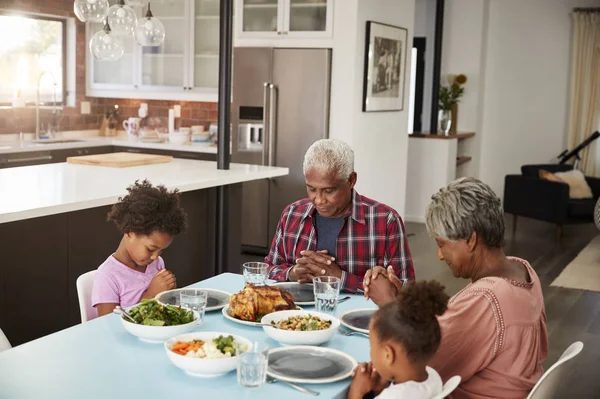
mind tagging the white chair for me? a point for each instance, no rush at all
(4, 344)
(546, 386)
(85, 283)
(449, 387)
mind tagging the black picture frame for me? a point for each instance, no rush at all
(384, 74)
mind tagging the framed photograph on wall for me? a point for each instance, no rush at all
(385, 67)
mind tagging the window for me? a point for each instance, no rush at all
(34, 55)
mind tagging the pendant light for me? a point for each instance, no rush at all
(91, 10)
(122, 19)
(150, 31)
(137, 3)
(106, 45)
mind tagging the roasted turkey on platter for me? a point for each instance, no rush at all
(253, 302)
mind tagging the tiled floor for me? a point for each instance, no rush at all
(572, 315)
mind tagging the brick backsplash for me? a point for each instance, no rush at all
(23, 120)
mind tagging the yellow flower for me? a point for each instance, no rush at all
(461, 79)
(450, 78)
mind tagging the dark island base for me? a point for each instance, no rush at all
(43, 257)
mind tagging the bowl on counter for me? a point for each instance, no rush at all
(158, 334)
(179, 137)
(292, 337)
(205, 367)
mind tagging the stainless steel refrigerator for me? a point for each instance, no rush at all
(280, 107)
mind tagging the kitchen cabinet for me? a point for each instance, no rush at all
(184, 67)
(62, 155)
(283, 20)
(13, 160)
(198, 156)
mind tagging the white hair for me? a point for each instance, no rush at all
(464, 206)
(328, 155)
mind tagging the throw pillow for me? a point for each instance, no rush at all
(544, 174)
(578, 187)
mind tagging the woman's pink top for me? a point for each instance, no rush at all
(494, 336)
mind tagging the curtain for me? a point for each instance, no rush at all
(584, 116)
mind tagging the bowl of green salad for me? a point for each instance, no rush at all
(156, 323)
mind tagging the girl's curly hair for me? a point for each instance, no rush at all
(411, 319)
(146, 209)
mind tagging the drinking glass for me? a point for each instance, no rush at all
(194, 299)
(252, 366)
(256, 273)
(327, 292)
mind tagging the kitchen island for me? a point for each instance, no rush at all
(53, 229)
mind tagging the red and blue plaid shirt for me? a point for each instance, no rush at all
(373, 235)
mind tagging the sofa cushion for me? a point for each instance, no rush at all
(581, 208)
(578, 187)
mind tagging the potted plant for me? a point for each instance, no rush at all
(450, 95)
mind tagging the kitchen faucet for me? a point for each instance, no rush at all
(37, 108)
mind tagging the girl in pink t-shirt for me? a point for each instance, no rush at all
(149, 218)
(404, 335)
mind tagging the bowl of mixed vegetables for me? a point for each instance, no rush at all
(300, 327)
(206, 354)
(156, 323)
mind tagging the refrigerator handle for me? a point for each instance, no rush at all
(266, 116)
(272, 123)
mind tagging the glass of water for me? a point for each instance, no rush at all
(256, 273)
(327, 292)
(194, 299)
(252, 366)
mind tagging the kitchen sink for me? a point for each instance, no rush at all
(50, 141)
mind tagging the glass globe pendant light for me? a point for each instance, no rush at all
(91, 10)
(137, 3)
(105, 45)
(122, 19)
(150, 31)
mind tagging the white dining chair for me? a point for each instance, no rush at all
(85, 283)
(449, 387)
(551, 379)
(4, 344)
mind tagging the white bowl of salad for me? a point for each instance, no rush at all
(206, 354)
(300, 327)
(156, 322)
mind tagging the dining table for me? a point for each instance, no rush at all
(100, 359)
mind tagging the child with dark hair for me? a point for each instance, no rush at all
(149, 218)
(404, 336)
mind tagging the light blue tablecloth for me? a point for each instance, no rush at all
(99, 359)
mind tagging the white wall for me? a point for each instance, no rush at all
(526, 85)
(379, 139)
(425, 27)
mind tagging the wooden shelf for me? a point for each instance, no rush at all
(459, 136)
(462, 159)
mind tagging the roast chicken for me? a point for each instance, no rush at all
(253, 302)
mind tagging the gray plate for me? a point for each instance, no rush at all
(309, 364)
(357, 319)
(303, 293)
(216, 299)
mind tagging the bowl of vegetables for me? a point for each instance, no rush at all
(156, 322)
(300, 327)
(206, 354)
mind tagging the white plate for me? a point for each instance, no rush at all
(310, 364)
(227, 313)
(216, 299)
(357, 319)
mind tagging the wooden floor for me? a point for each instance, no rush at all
(572, 315)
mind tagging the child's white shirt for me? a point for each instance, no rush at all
(427, 389)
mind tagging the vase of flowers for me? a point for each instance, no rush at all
(450, 95)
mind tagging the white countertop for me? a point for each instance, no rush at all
(12, 146)
(40, 190)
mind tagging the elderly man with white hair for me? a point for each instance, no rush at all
(336, 231)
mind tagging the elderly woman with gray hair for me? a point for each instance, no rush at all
(494, 331)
